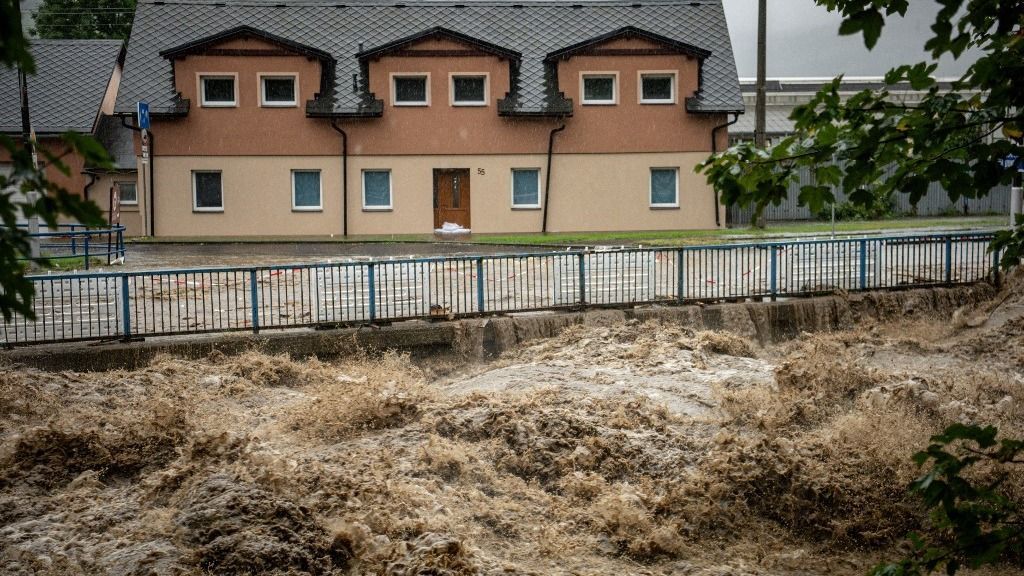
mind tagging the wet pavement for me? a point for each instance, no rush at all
(163, 256)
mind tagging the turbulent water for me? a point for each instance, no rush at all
(620, 449)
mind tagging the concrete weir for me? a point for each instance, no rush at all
(764, 322)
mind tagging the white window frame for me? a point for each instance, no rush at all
(394, 91)
(195, 207)
(200, 76)
(673, 74)
(487, 88)
(512, 189)
(597, 74)
(320, 181)
(650, 187)
(391, 191)
(261, 87)
(136, 201)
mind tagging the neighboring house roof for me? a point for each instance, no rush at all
(531, 28)
(118, 141)
(783, 94)
(66, 92)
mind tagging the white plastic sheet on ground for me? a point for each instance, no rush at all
(449, 228)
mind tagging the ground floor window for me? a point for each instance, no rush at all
(207, 191)
(376, 189)
(526, 188)
(664, 187)
(128, 193)
(306, 191)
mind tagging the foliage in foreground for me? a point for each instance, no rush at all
(15, 290)
(956, 138)
(85, 19)
(977, 522)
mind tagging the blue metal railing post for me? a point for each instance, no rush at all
(373, 292)
(254, 300)
(480, 285)
(863, 264)
(680, 274)
(126, 319)
(583, 278)
(773, 269)
(949, 260)
(86, 251)
(74, 244)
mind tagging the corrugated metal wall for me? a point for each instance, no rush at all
(935, 203)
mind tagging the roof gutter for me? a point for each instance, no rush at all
(714, 150)
(344, 176)
(547, 177)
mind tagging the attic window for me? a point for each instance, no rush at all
(410, 90)
(218, 91)
(599, 87)
(657, 88)
(278, 91)
(469, 90)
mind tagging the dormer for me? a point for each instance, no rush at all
(248, 66)
(600, 85)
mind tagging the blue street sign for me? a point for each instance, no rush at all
(143, 109)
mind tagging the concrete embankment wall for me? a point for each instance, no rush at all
(764, 322)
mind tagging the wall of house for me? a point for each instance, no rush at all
(74, 182)
(131, 215)
(590, 192)
(601, 166)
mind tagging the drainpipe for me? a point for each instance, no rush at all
(714, 150)
(344, 176)
(547, 177)
(152, 169)
(92, 180)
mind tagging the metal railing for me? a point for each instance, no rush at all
(130, 305)
(76, 241)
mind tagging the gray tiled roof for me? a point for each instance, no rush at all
(67, 90)
(533, 28)
(776, 121)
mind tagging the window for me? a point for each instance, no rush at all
(277, 91)
(599, 88)
(207, 192)
(376, 189)
(128, 193)
(306, 191)
(664, 187)
(526, 188)
(217, 91)
(469, 90)
(410, 90)
(657, 88)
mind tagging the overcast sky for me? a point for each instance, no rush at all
(803, 40)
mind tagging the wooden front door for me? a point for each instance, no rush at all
(451, 197)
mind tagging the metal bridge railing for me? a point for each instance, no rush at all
(76, 241)
(130, 305)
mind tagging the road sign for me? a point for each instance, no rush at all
(143, 110)
(1013, 160)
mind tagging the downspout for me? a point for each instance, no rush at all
(714, 150)
(344, 176)
(547, 177)
(152, 166)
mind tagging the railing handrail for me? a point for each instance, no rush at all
(980, 236)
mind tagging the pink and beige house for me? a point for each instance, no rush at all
(379, 118)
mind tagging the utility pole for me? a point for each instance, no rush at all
(28, 138)
(759, 105)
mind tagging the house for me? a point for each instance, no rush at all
(73, 90)
(385, 118)
(785, 94)
(782, 95)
